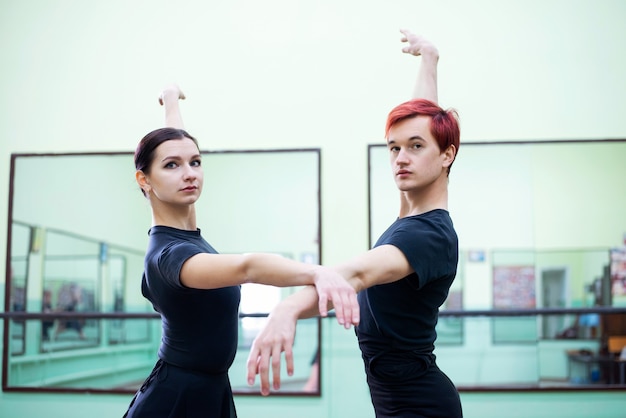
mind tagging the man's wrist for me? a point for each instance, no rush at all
(286, 309)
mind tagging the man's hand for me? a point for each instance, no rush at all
(417, 45)
(277, 336)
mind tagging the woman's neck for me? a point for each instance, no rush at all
(180, 219)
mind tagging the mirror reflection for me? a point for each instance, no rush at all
(17, 290)
(541, 225)
(78, 235)
(71, 275)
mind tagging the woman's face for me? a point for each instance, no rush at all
(176, 174)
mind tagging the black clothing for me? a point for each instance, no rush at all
(397, 329)
(173, 392)
(199, 332)
(46, 325)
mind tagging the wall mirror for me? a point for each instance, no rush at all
(540, 226)
(78, 231)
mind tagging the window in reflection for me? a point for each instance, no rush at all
(255, 299)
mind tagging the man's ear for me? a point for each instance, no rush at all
(449, 155)
(143, 182)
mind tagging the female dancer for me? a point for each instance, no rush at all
(195, 289)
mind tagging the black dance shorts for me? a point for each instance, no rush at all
(410, 385)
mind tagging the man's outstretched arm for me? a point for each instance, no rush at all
(426, 82)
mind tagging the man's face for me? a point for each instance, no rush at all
(416, 160)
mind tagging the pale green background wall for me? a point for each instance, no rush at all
(84, 76)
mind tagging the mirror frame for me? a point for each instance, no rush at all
(477, 255)
(121, 316)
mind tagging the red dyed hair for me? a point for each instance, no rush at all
(444, 124)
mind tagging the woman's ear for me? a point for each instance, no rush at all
(143, 182)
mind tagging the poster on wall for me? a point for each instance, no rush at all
(514, 287)
(618, 271)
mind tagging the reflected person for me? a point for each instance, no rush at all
(406, 277)
(196, 290)
(46, 307)
(69, 300)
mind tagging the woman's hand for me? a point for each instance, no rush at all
(335, 291)
(169, 98)
(171, 92)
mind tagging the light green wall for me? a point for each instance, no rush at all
(84, 76)
(69, 189)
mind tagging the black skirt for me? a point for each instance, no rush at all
(173, 392)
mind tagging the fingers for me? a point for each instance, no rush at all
(335, 292)
(344, 311)
(276, 357)
(351, 311)
(405, 34)
(265, 356)
(356, 312)
(275, 367)
(173, 92)
(252, 366)
(339, 307)
(264, 374)
(258, 363)
(415, 43)
(323, 304)
(289, 360)
(346, 307)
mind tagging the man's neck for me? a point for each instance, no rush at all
(417, 202)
